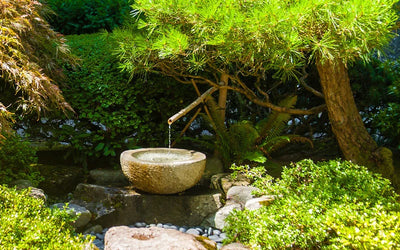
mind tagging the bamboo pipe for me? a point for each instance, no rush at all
(191, 106)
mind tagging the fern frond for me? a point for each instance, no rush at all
(279, 142)
(274, 124)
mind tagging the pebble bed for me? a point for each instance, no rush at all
(213, 234)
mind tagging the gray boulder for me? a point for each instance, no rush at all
(84, 216)
(256, 203)
(123, 237)
(222, 214)
(240, 194)
(125, 206)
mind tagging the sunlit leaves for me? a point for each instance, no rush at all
(279, 35)
(29, 50)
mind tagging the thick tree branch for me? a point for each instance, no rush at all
(307, 87)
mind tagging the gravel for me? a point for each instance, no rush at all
(212, 233)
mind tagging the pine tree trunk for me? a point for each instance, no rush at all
(223, 95)
(353, 138)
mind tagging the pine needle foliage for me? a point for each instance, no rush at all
(253, 36)
(29, 54)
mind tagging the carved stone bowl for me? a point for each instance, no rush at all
(163, 170)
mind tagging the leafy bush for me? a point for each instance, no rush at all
(112, 112)
(25, 223)
(387, 120)
(87, 16)
(17, 160)
(321, 205)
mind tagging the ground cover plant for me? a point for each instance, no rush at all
(26, 223)
(329, 205)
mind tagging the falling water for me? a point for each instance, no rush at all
(169, 136)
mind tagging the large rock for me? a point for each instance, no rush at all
(108, 177)
(125, 238)
(123, 206)
(83, 214)
(240, 194)
(222, 214)
(223, 182)
(60, 179)
(257, 203)
(213, 166)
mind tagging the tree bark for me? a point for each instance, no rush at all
(353, 138)
(223, 95)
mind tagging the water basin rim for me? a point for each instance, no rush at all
(195, 156)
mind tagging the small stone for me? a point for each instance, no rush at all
(193, 231)
(160, 225)
(173, 227)
(204, 235)
(140, 224)
(105, 230)
(100, 236)
(219, 245)
(183, 229)
(152, 225)
(200, 230)
(215, 238)
(216, 232)
(223, 236)
(210, 231)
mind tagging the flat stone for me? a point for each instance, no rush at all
(240, 194)
(126, 238)
(124, 206)
(257, 203)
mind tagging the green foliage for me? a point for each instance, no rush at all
(87, 16)
(29, 50)
(387, 120)
(334, 204)
(17, 160)
(112, 113)
(26, 223)
(244, 141)
(251, 37)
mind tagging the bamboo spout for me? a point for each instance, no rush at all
(191, 106)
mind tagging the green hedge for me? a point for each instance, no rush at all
(113, 113)
(17, 160)
(26, 223)
(330, 205)
(87, 16)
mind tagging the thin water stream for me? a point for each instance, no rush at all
(169, 135)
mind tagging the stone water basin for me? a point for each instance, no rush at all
(163, 170)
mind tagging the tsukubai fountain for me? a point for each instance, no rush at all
(165, 170)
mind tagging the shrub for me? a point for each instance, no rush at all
(87, 16)
(17, 159)
(387, 120)
(25, 223)
(321, 205)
